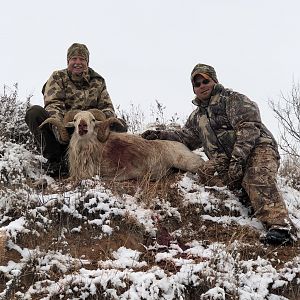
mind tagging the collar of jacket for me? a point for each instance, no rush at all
(85, 77)
(216, 90)
(94, 74)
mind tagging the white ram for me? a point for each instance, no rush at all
(95, 149)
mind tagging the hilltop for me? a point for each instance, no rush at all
(170, 239)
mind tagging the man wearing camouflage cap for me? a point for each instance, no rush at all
(76, 87)
(241, 150)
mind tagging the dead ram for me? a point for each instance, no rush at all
(96, 150)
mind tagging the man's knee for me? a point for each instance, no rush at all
(35, 114)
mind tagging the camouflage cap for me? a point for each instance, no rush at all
(205, 71)
(77, 49)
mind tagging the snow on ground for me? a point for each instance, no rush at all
(156, 271)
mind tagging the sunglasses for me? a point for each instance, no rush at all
(198, 83)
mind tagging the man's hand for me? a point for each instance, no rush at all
(57, 135)
(208, 168)
(206, 172)
(151, 135)
(214, 171)
(235, 174)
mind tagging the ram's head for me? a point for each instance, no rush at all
(82, 121)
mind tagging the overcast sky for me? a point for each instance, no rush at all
(146, 50)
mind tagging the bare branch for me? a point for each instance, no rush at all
(287, 112)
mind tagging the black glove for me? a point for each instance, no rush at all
(151, 134)
(235, 174)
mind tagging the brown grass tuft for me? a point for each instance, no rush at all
(2, 246)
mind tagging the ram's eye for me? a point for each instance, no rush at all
(93, 120)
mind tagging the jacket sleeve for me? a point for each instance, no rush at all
(245, 119)
(104, 101)
(54, 96)
(187, 135)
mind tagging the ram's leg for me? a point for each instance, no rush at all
(186, 160)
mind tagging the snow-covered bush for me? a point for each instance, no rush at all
(12, 118)
(137, 121)
(290, 171)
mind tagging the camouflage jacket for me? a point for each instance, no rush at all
(63, 93)
(229, 123)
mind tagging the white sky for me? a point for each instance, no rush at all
(146, 50)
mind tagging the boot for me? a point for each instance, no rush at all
(279, 236)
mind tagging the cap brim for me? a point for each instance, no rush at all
(202, 74)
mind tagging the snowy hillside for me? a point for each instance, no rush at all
(172, 239)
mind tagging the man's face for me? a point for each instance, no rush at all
(203, 87)
(77, 65)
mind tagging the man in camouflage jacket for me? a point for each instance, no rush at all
(76, 87)
(241, 150)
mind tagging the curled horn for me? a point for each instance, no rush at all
(104, 130)
(69, 116)
(98, 114)
(63, 133)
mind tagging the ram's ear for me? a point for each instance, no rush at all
(69, 124)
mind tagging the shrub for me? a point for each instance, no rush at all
(290, 171)
(287, 112)
(12, 118)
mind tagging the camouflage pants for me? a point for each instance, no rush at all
(260, 184)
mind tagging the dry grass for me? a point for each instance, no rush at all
(89, 244)
(2, 246)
